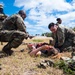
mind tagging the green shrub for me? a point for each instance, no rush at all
(65, 67)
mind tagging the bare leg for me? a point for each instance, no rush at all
(35, 51)
(38, 53)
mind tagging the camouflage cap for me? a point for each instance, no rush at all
(1, 6)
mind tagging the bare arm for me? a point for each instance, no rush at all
(34, 51)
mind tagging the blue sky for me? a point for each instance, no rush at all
(41, 12)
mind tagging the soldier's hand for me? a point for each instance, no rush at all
(26, 37)
(31, 37)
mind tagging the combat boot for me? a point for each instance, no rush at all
(7, 50)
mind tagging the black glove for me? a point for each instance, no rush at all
(31, 37)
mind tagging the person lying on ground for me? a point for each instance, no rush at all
(64, 40)
(40, 48)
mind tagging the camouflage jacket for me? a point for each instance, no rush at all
(62, 35)
(58, 24)
(14, 22)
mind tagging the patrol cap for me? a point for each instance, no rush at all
(21, 12)
(1, 6)
(50, 25)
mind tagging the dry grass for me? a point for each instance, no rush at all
(20, 63)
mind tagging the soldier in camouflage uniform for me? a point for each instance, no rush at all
(64, 39)
(13, 31)
(59, 21)
(2, 15)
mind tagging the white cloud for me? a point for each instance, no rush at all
(42, 12)
(68, 19)
(2, 3)
(44, 5)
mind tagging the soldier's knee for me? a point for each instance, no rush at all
(20, 36)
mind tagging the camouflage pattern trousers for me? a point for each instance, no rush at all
(68, 45)
(14, 38)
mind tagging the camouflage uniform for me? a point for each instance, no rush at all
(13, 31)
(2, 15)
(58, 24)
(64, 39)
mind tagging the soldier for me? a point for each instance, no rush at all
(64, 39)
(59, 21)
(13, 31)
(2, 15)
